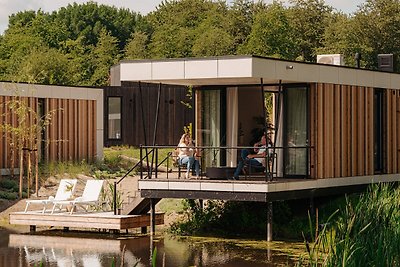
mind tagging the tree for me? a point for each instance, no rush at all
(175, 26)
(240, 18)
(105, 54)
(374, 30)
(336, 36)
(309, 19)
(24, 133)
(137, 46)
(271, 34)
(44, 66)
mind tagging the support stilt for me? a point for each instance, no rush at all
(152, 217)
(269, 221)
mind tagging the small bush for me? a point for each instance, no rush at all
(8, 195)
(9, 184)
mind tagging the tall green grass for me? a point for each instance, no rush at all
(364, 233)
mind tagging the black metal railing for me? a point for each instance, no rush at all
(278, 158)
(139, 163)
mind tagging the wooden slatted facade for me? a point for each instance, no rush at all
(172, 118)
(71, 135)
(342, 131)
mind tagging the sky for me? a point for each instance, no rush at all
(9, 7)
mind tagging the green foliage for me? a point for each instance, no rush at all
(78, 44)
(107, 196)
(366, 232)
(8, 195)
(271, 34)
(9, 184)
(72, 168)
(137, 46)
(154, 257)
(309, 19)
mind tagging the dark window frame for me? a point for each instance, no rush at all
(285, 88)
(108, 120)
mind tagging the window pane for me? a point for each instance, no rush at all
(210, 126)
(114, 117)
(296, 158)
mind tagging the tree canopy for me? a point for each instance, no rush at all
(77, 44)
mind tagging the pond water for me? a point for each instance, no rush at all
(58, 248)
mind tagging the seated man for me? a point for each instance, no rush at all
(255, 160)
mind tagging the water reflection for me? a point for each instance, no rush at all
(56, 248)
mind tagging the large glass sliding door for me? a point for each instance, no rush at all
(295, 131)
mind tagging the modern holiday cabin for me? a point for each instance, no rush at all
(334, 127)
(74, 132)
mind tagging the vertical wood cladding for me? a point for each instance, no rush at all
(71, 134)
(172, 117)
(341, 134)
(342, 131)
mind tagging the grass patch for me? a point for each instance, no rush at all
(72, 168)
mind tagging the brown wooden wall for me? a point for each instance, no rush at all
(173, 115)
(71, 134)
(341, 130)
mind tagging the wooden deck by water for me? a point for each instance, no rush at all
(87, 220)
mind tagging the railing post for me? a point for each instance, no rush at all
(168, 165)
(141, 162)
(115, 198)
(156, 170)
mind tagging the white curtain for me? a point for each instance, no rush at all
(296, 131)
(232, 115)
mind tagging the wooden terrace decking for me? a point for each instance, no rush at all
(89, 220)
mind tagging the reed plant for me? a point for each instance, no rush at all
(365, 232)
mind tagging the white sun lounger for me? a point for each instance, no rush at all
(64, 192)
(90, 196)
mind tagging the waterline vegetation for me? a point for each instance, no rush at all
(365, 232)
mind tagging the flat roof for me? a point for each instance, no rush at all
(248, 70)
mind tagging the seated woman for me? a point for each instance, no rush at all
(187, 155)
(255, 160)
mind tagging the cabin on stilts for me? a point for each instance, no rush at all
(334, 129)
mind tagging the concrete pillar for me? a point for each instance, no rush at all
(269, 221)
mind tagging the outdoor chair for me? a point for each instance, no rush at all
(90, 196)
(176, 163)
(65, 190)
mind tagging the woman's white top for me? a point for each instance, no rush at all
(185, 151)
